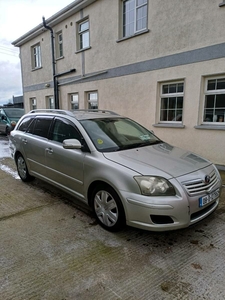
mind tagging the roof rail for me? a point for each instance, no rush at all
(96, 110)
(59, 111)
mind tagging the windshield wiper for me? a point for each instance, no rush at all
(138, 145)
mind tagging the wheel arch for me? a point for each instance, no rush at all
(95, 183)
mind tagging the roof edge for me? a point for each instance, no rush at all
(61, 15)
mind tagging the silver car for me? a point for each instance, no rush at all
(120, 169)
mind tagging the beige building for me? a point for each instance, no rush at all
(159, 62)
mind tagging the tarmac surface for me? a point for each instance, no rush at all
(52, 249)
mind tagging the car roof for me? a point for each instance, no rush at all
(78, 114)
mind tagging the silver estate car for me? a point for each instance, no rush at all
(120, 169)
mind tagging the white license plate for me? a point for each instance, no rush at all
(208, 198)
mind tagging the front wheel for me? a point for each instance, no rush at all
(108, 208)
(22, 169)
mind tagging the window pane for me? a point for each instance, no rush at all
(74, 101)
(220, 84)
(84, 40)
(208, 115)
(211, 85)
(84, 26)
(41, 127)
(128, 17)
(180, 87)
(163, 115)
(164, 103)
(25, 124)
(171, 115)
(172, 102)
(179, 102)
(220, 100)
(209, 101)
(141, 18)
(172, 88)
(165, 89)
(178, 117)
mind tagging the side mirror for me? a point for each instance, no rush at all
(71, 144)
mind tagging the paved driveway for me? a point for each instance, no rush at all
(52, 249)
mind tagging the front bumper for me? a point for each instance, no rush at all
(174, 212)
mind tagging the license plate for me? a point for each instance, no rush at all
(208, 198)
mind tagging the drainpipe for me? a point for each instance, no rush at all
(55, 82)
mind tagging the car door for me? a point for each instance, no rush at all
(65, 166)
(34, 142)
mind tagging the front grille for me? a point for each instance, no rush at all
(199, 186)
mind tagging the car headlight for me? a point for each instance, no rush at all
(155, 186)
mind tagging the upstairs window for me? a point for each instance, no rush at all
(59, 45)
(83, 35)
(214, 107)
(171, 106)
(36, 56)
(134, 16)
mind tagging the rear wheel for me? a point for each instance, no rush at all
(22, 169)
(108, 208)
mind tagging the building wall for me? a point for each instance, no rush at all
(180, 44)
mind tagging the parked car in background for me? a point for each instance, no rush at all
(121, 169)
(8, 118)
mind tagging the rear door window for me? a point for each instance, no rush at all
(40, 126)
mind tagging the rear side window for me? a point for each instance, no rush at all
(40, 126)
(24, 125)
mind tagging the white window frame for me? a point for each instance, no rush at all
(176, 94)
(36, 56)
(33, 103)
(216, 118)
(137, 7)
(59, 45)
(92, 100)
(81, 33)
(74, 101)
(50, 102)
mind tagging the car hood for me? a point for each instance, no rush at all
(160, 159)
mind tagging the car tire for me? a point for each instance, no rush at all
(108, 208)
(22, 169)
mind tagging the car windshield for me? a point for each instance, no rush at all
(14, 113)
(117, 134)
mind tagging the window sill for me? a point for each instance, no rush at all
(134, 35)
(172, 125)
(222, 4)
(210, 127)
(36, 69)
(58, 58)
(81, 50)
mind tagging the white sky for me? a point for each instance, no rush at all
(17, 17)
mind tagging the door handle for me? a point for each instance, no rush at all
(24, 141)
(49, 150)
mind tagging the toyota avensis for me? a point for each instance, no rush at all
(119, 168)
